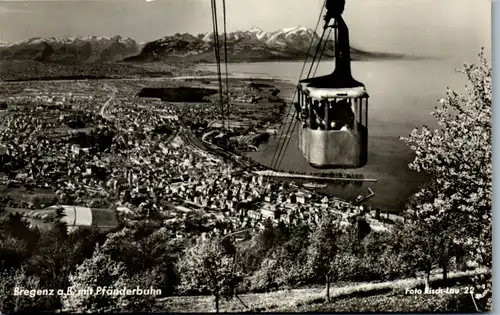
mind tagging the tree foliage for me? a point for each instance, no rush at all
(146, 251)
(102, 271)
(423, 246)
(382, 252)
(324, 249)
(207, 266)
(9, 302)
(458, 156)
(99, 270)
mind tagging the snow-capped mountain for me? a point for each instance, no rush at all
(3, 43)
(71, 49)
(243, 46)
(287, 36)
(250, 45)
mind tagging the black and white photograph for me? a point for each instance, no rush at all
(237, 156)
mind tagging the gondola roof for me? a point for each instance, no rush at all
(327, 93)
(330, 86)
(336, 85)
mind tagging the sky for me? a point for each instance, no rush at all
(425, 27)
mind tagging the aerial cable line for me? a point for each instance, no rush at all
(283, 148)
(216, 36)
(295, 92)
(287, 141)
(300, 77)
(293, 125)
(281, 155)
(323, 51)
(217, 56)
(225, 58)
(316, 53)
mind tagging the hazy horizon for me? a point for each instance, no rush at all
(452, 28)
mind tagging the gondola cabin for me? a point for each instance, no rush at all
(333, 109)
(333, 126)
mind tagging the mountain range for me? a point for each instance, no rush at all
(251, 45)
(242, 46)
(71, 49)
(245, 46)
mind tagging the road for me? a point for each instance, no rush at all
(112, 98)
(204, 137)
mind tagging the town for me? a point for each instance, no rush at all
(98, 145)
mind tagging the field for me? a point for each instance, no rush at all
(397, 303)
(103, 218)
(382, 296)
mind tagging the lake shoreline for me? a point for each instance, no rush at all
(395, 110)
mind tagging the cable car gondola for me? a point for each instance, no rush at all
(333, 109)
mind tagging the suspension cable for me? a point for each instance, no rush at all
(284, 147)
(217, 57)
(225, 59)
(316, 53)
(219, 66)
(273, 161)
(287, 139)
(314, 74)
(323, 51)
(295, 91)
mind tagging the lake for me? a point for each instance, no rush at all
(403, 93)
